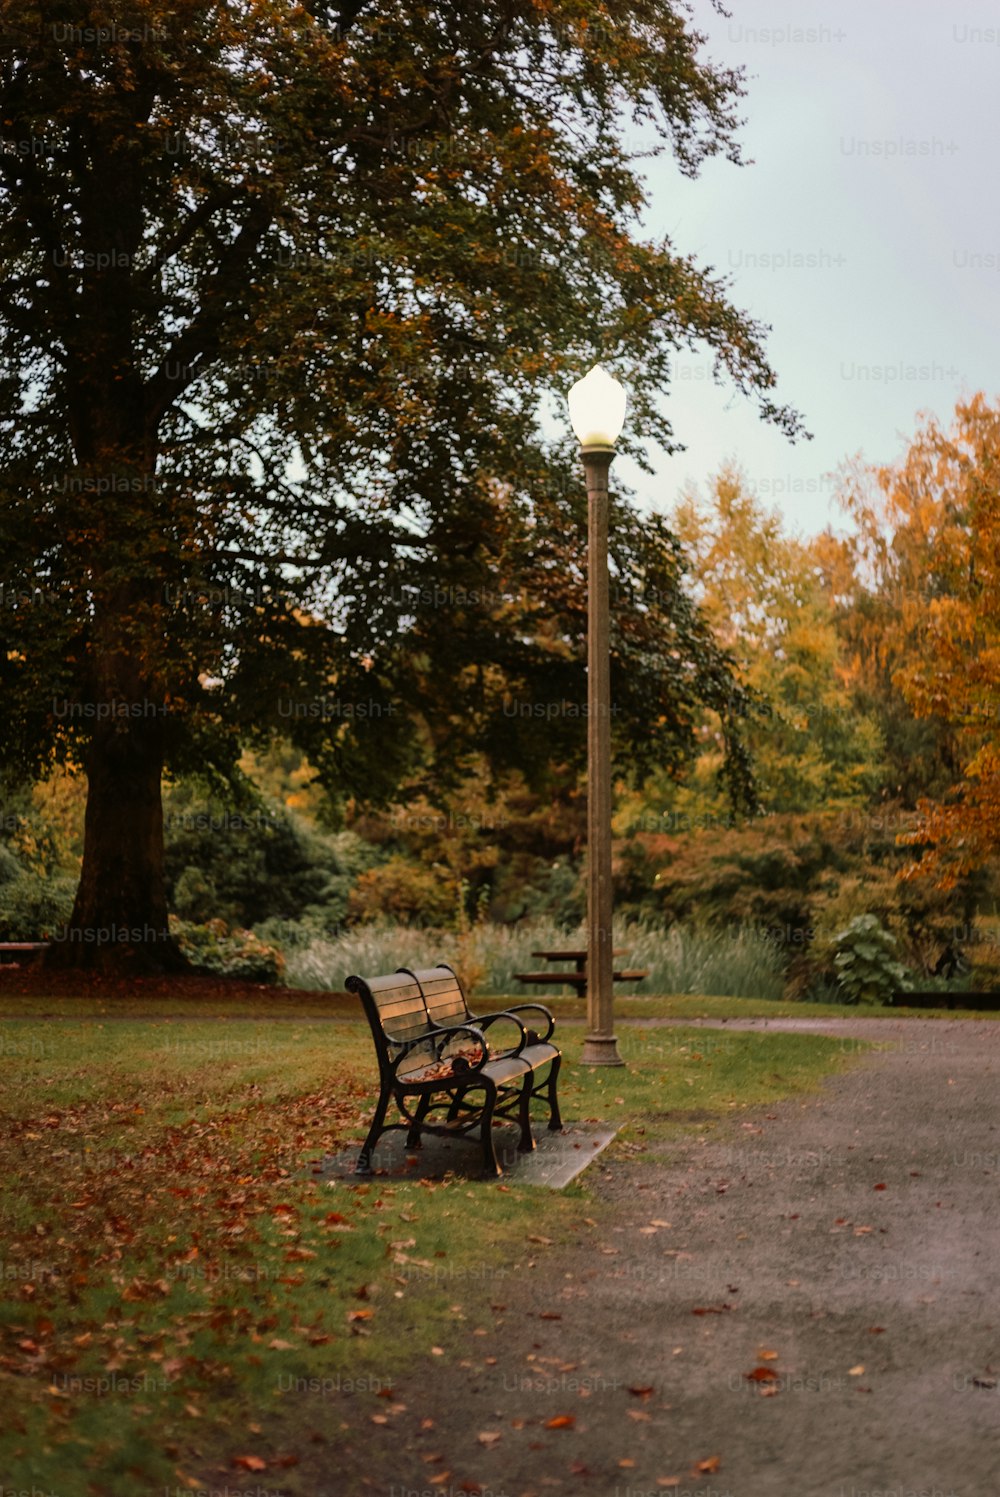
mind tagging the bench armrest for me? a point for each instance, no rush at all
(439, 1037)
(484, 1022)
(514, 1012)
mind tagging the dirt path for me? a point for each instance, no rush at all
(854, 1234)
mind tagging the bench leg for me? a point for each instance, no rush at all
(526, 1143)
(413, 1136)
(555, 1117)
(364, 1164)
(491, 1165)
(456, 1104)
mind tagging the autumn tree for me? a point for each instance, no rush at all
(284, 287)
(769, 596)
(928, 545)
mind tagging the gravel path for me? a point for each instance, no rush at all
(853, 1234)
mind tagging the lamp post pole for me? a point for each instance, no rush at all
(600, 1048)
(597, 411)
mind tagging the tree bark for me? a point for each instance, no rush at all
(119, 921)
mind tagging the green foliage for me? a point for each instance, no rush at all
(866, 962)
(246, 860)
(213, 947)
(34, 906)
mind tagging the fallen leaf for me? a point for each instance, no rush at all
(705, 1468)
(856, 1371)
(641, 1390)
(489, 1437)
(761, 1375)
(561, 1421)
(249, 1462)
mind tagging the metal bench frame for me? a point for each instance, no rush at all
(414, 1015)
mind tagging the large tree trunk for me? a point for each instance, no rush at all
(119, 920)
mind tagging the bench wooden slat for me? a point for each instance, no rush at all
(407, 1005)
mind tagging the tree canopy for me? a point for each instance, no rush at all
(286, 289)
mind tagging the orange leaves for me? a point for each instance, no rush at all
(561, 1421)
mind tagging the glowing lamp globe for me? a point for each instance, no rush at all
(597, 408)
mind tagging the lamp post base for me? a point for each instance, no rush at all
(601, 1050)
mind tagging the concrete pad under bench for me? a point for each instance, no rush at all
(556, 1160)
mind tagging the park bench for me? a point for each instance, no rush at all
(982, 1000)
(435, 1056)
(18, 949)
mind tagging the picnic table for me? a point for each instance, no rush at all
(577, 976)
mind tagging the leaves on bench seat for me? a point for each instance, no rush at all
(444, 1070)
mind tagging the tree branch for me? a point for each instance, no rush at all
(201, 339)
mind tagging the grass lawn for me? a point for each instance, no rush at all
(175, 1277)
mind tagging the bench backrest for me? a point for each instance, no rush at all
(443, 995)
(404, 1005)
(397, 1015)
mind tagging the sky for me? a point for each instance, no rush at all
(866, 234)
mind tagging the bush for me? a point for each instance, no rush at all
(248, 863)
(404, 891)
(868, 969)
(215, 948)
(33, 907)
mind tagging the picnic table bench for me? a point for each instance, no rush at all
(577, 977)
(434, 1056)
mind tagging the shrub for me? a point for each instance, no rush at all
(33, 907)
(868, 969)
(215, 948)
(412, 893)
(246, 863)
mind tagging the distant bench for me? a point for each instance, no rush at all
(928, 998)
(13, 949)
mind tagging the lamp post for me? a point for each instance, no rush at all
(597, 412)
